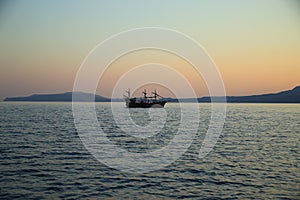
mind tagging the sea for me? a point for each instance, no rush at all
(256, 156)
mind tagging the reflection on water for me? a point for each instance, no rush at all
(257, 156)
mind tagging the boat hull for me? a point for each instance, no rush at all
(159, 104)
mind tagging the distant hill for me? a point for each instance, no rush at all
(58, 97)
(289, 96)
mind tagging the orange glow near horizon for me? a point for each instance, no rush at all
(255, 44)
(141, 57)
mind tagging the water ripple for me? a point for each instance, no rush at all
(257, 156)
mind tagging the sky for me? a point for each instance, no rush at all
(254, 43)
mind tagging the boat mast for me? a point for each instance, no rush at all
(128, 93)
(155, 94)
(145, 94)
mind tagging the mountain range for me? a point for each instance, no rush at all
(61, 97)
(289, 96)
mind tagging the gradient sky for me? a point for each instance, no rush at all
(255, 43)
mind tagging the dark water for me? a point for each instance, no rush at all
(257, 157)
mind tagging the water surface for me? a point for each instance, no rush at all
(256, 157)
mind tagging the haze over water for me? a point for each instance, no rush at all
(256, 157)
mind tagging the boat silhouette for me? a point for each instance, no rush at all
(155, 101)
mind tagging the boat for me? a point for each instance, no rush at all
(155, 101)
